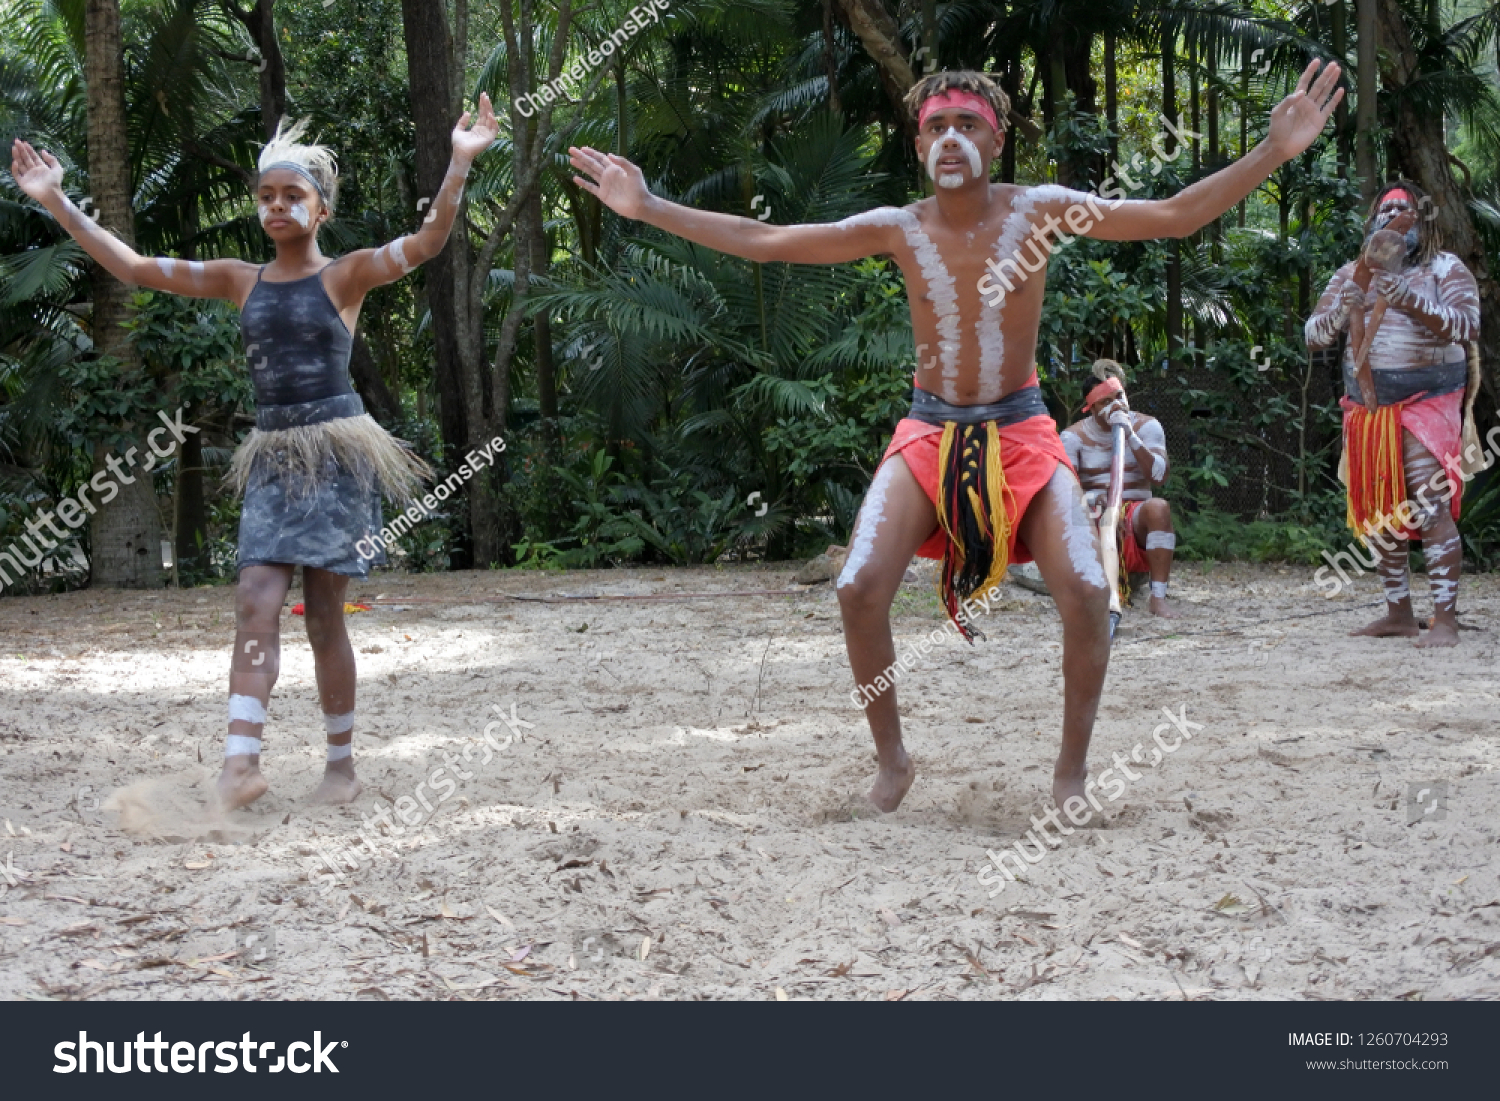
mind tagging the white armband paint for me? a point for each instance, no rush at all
(1160, 540)
(246, 709)
(337, 724)
(339, 752)
(397, 254)
(1159, 589)
(237, 745)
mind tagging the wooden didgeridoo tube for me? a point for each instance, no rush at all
(1385, 252)
(1109, 523)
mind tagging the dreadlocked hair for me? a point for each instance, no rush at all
(1429, 238)
(960, 80)
(286, 147)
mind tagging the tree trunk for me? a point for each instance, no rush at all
(541, 263)
(260, 22)
(831, 59)
(191, 518)
(457, 371)
(1112, 101)
(493, 536)
(382, 404)
(126, 533)
(1341, 129)
(1174, 264)
(1367, 72)
(881, 38)
(1418, 153)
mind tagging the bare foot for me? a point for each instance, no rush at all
(1391, 626)
(1444, 633)
(892, 783)
(339, 785)
(1065, 788)
(240, 782)
(1159, 606)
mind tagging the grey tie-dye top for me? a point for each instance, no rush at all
(295, 341)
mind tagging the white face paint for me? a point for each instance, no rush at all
(299, 214)
(970, 150)
(870, 517)
(265, 213)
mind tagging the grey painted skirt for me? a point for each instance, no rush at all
(313, 476)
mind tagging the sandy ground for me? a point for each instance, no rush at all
(675, 823)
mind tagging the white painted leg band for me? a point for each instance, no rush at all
(1160, 540)
(237, 745)
(246, 709)
(1159, 589)
(337, 724)
(339, 752)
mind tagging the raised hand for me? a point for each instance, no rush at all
(36, 172)
(468, 142)
(617, 183)
(1297, 120)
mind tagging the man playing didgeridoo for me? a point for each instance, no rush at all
(1418, 445)
(1146, 536)
(976, 473)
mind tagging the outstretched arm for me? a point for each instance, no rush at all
(619, 185)
(40, 175)
(360, 272)
(1295, 122)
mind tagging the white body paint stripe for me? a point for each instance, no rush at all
(237, 745)
(337, 724)
(870, 517)
(246, 709)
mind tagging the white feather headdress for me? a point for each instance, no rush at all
(314, 161)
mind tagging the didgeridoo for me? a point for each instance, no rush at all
(1385, 252)
(1109, 524)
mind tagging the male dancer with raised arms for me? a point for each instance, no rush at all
(977, 471)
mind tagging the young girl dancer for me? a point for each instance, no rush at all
(315, 465)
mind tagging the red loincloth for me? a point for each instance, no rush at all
(1132, 554)
(1029, 451)
(1437, 424)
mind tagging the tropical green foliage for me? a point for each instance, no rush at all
(706, 405)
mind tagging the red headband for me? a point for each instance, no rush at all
(1396, 193)
(1105, 389)
(954, 98)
